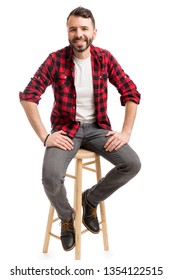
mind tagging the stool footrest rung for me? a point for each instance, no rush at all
(54, 235)
(84, 231)
(55, 220)
(90, 169)
(88, 163)
(70, 176)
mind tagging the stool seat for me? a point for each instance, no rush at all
(84, 154)
(80, 158)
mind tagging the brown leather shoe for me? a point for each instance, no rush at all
(67, 234)
(89, 218)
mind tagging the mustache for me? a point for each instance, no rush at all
(79, 39)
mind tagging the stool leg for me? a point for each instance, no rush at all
(77, 207)
(48, 229)
(102, 208)
(98, 168)
(75, 186)
(104, 226)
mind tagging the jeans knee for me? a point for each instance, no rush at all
(135, 166)
(131, 167)
(52, 183)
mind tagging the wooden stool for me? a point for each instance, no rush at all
(79, 157)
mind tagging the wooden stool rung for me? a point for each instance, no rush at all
(54, 235)
(88, 163)
(88, 168)
(70, 176)
(55, 220)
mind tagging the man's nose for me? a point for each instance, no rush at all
(78, 33)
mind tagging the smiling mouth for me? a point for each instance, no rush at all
(79, 41)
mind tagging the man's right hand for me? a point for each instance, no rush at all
(61, 140)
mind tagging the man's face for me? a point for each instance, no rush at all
(81, 33)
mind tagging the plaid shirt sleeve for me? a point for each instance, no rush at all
(40, 81)
(122, 82)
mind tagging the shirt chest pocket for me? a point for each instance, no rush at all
(62, 81)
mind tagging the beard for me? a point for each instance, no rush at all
(83, 47)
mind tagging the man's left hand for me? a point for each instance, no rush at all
(116, 141)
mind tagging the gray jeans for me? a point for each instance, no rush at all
(56, 161)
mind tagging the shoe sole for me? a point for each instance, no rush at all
(69, 248)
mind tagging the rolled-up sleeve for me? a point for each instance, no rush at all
(39, 82)
(125, 86)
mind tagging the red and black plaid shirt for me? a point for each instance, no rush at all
(58, 71)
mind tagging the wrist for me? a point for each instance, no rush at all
(45, 140)
(124, 131)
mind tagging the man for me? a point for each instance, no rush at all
(78, 74)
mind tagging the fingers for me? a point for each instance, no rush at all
(64, 143)
(110, 133)
(115, 145)
(116, 141)
(112, 144)
(60, 140)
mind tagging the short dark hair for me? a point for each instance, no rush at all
(82, 12)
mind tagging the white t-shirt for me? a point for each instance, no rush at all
(85, 109)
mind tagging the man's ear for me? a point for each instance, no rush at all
(95, 33)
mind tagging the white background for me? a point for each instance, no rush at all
(139, 216)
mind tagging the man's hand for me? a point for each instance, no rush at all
(60, 140)
(116, 141)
